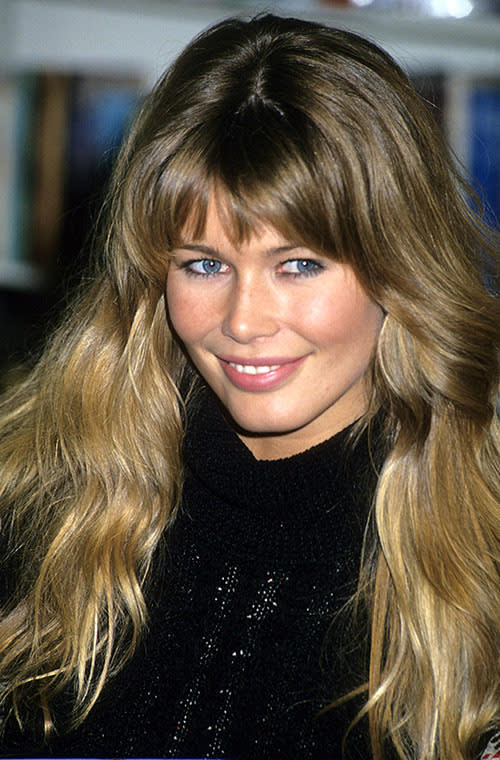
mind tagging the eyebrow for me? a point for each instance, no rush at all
(214, 253)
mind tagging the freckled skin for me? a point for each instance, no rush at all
(267, 299)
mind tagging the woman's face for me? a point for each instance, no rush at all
(283, 337)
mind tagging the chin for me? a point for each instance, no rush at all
(255, 426)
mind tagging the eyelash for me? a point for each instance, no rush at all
(187, 266)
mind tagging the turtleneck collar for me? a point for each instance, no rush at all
(220, 460)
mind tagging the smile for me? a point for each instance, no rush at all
(260, 375)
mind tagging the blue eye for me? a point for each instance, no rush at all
(207, 266)
(306, 265)
(204, 267)
(301, 267)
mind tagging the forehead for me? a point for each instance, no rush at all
(265, 243)
(220, 226)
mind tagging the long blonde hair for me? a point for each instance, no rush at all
(317, 132)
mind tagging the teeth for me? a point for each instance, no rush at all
(252, 369)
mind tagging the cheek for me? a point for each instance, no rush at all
(182, 312)
(351, 318)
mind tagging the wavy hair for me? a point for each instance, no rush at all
(317, 132)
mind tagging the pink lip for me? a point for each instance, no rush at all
(262, 382)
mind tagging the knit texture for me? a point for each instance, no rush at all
(246, 642)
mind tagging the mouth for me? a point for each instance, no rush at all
(259, 374)
(254, 369)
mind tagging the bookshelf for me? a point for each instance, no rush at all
(127, 40)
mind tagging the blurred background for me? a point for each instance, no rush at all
(72, 73)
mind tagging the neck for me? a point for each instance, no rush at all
(271, 447)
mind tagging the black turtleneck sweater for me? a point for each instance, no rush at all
(244, 646)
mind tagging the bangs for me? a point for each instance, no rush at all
(261, 171)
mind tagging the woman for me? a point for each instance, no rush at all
(291, 274)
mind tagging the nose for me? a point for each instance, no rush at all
(252, 311)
